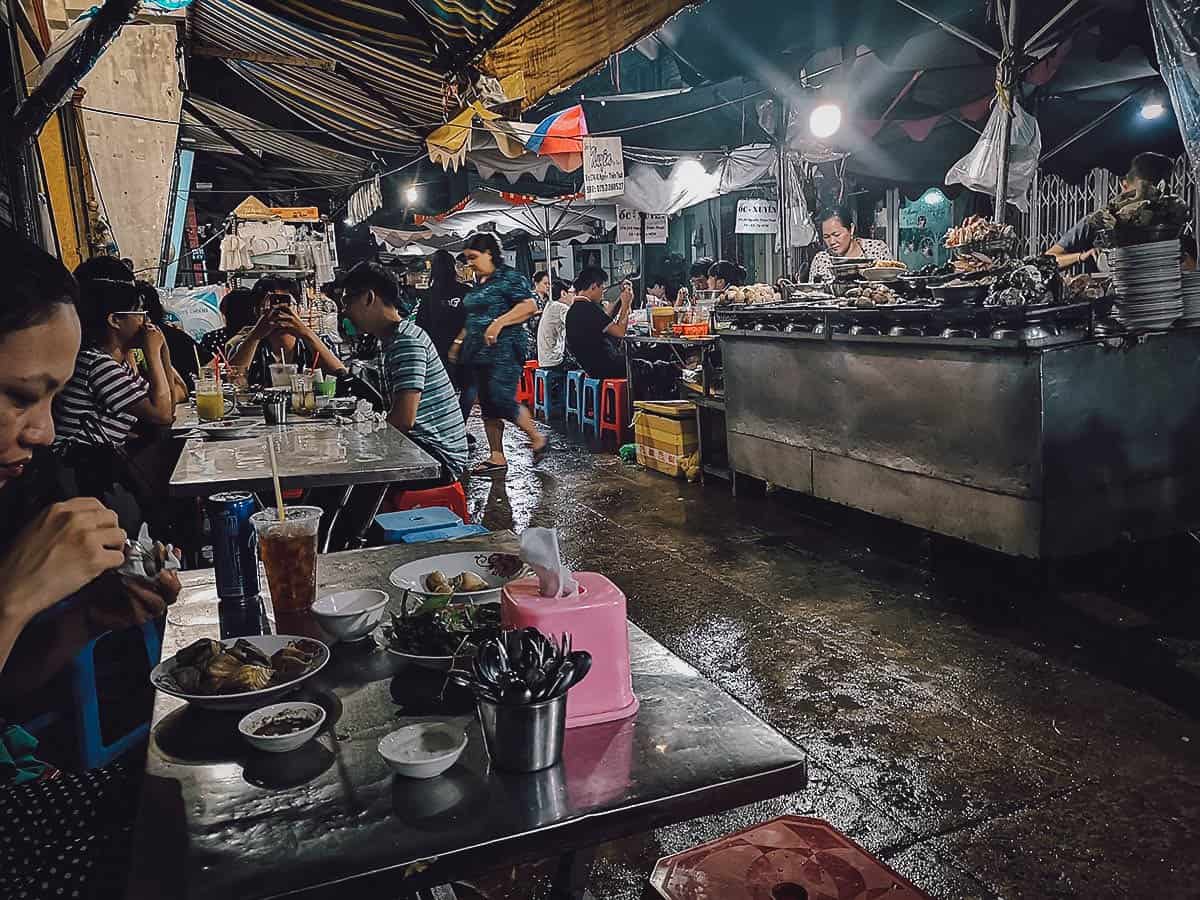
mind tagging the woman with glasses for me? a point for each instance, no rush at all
(107, 398)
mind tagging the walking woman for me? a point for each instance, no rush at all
(491, 347)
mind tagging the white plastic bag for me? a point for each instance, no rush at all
(979, 169)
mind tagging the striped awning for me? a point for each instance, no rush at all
(212, 128)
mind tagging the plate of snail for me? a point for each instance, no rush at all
(461, 577)
(240, 673)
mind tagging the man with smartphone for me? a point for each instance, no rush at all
(595, 328)
(280, 335)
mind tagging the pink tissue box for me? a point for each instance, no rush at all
(595, 618)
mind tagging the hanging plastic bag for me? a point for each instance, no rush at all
(980, 168)
(1177, 40)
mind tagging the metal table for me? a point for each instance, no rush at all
(319, 455)
(218, 820)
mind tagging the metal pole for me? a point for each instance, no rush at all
(642, 257)
(1012, 54)
(950, 29)
(58, 84)
(781, 159)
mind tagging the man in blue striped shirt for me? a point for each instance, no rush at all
(423, 403)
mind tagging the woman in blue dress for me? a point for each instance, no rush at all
(491, 348)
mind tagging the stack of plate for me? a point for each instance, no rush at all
(1146, 279)
(1191, 300)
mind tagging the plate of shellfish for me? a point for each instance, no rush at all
(241, 673)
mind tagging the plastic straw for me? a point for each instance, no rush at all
(275, 478)
(199, 368)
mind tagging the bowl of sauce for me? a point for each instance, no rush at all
(282, 727)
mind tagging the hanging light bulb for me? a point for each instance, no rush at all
(933, 197)
(1153, 109)
(411, 194)
(825, 120)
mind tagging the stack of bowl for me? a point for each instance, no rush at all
(1146, 278)
(1191, 300)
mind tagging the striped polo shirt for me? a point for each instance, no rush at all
(411, 363)
(94, 407)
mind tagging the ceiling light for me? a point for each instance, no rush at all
(412, 195)
(933, 197)
(1153, 109)
(825, 120)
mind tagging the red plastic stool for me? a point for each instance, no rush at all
(525, 385)
(614, 399)
(291, 495)
(450, 496)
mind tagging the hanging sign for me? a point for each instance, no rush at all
(629, 227)
(603, 168)
(757, 217)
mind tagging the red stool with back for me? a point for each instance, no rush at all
(525, 385)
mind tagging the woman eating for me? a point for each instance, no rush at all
(61, 833)
(838, 234)
(492, 346)
(280, 335)
(106, 398)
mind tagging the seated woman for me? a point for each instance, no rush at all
(280, 335)
(837, 233)
(60, 832)
(237, 308)
(725, 274)
(184, 351)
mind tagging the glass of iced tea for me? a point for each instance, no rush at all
(288, 550)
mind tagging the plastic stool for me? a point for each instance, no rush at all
(401, 525)
(450, 496)
(590, 417)
(547, 384)
(614, 399)
(90, 750)
(525, 385)
(444, 534)
(573, 408)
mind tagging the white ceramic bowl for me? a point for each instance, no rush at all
(425, 750)
(350, 615)
(281, 743)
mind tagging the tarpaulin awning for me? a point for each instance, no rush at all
(655, 189)
(212, 128)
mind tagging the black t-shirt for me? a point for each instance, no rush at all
(442, 316)
(599, 353)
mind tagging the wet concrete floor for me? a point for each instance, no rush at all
(987, 727)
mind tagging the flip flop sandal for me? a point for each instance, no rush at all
(487, 467)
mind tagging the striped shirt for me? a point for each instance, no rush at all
(94, 407)
(411, 363)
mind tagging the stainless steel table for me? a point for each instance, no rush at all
(330, 820)
(319, 455)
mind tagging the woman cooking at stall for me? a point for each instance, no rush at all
(838, 235)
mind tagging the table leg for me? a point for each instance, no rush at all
(335, 515)
(571, 876)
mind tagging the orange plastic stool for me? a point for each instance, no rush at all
(525, 385)
(614, 401)
(450, 496)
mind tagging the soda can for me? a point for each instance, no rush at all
(242, 617)
(235, 545)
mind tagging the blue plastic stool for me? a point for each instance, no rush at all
(90, 750)
(548, 386)
(444, 534)
(398, 527)
(574, 404)
(591, 407)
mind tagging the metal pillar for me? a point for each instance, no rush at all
(1010, 70)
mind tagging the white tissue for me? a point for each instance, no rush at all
(539, 548)
(145, 562)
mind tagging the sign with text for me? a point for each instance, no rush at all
(757, 217)
(603, 168)
(629, 227)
